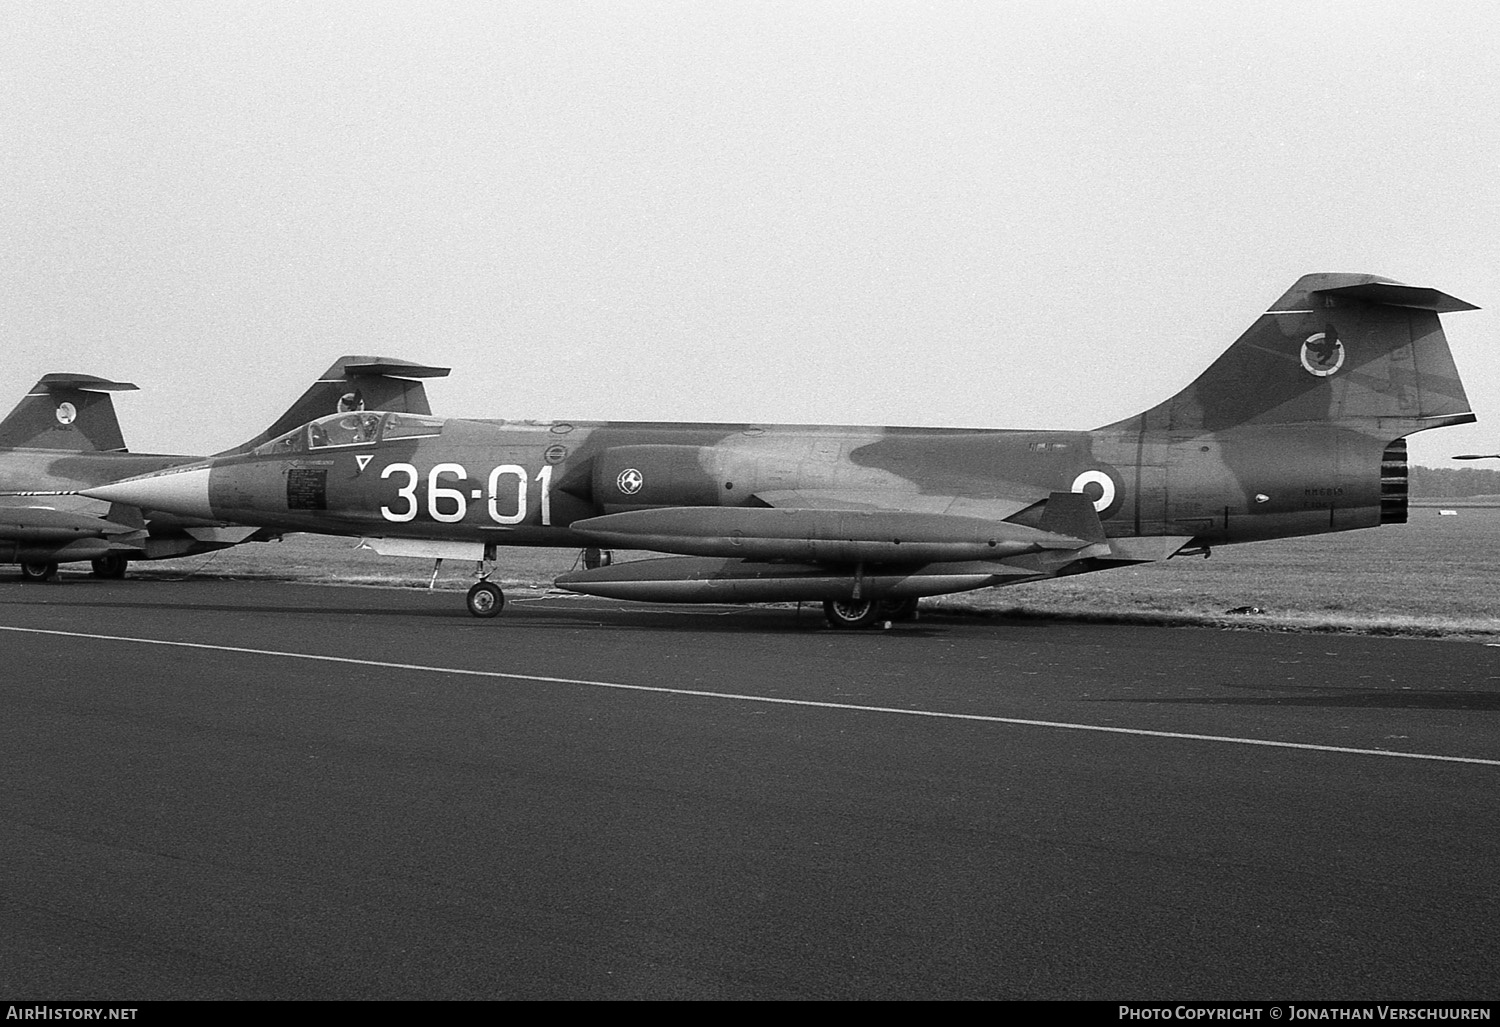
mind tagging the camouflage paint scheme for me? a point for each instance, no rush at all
(1296, 429)
(64, 436)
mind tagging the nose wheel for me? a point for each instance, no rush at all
(485, 599)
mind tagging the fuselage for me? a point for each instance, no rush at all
(525, 483)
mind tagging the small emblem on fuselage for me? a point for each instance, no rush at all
(630, 481)
(67, 413)
(349, 402)
(1323, 354)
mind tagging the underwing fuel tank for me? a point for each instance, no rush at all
(39, 526)
(694, 579)
(819, 536)
(58, 552)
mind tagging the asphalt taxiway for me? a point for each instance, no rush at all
(249, 790)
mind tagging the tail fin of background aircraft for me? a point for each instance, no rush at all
(69, 412)
(355, 383)
(1351, 349)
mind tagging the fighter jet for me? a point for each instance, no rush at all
(1297, 429)
(64, 436)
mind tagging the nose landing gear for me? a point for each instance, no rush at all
(485, 599)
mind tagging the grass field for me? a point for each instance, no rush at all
(1436, 576)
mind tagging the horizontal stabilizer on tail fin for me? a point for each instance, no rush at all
(57, 382)
(66, 412)
(1393, 294)
(393, 369)
(355, 383)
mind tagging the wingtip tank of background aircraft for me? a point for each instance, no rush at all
(1297, 428)
(64, 435)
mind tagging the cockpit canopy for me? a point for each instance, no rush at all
(360, 428)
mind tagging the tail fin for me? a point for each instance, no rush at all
(355, 383)
(69, 412)
(1350, 349)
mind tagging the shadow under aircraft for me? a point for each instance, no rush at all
(1297, 428)
(64, 436)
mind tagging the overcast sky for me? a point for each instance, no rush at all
(1011, 215)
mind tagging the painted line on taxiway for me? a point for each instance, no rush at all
(738, 697)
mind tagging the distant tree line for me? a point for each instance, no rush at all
(1454, 482)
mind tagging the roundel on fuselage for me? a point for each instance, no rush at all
(1104, 488)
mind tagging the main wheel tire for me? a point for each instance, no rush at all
(486, 600)
(110, 565)
(849, 615)
(37, 571)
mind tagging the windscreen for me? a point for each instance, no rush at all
(361, 428)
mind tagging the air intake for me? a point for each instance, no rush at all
(1393, 488)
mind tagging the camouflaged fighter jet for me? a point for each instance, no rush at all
(1296, 429)
(64, 435)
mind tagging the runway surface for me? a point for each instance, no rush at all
(326, 792)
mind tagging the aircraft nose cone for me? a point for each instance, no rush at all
(183, 492)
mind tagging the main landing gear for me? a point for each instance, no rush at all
(37, 570)
(110, 565)
(848, 615)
